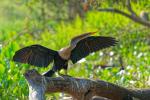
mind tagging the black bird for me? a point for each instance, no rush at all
(80, 47)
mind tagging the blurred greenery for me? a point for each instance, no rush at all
(44, 22)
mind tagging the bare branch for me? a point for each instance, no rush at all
(79, 89)
(134, 18)
(128, 4)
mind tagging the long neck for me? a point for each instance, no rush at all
(76, 39)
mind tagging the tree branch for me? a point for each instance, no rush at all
(133, 16)
(79, 89)
(128, 4)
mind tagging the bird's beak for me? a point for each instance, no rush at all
(91, 33)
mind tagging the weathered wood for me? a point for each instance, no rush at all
(79, 89)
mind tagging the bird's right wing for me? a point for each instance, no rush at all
(89, 45)
(36, 55)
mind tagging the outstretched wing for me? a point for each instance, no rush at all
(90, 44)
(36, 55)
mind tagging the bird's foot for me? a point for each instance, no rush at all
(63, 75)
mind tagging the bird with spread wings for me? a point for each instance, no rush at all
(80, 47)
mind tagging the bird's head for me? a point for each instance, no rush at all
(91, 33)
(76, 39)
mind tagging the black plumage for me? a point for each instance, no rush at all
(80, 47)
(89, 45)
(35, 55)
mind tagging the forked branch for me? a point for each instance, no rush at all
(79, 89)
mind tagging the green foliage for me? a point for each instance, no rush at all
(133, 47)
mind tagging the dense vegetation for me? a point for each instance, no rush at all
(19, 27)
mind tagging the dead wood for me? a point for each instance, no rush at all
(78, 88)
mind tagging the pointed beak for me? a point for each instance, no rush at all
(93, 32)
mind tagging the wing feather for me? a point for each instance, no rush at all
(36, 55)
(89, 45)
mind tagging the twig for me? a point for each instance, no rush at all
(15, 37)
(128, 4)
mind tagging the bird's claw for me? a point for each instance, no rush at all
(65, 75)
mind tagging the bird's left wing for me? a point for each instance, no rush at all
(90, 44)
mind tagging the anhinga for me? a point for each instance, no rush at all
(80, 47)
